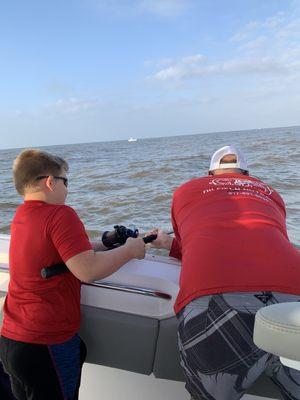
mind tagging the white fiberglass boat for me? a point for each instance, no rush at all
(130, 329)
(131, 139)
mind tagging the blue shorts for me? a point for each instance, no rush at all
(218, 356)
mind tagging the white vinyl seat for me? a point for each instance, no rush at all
(277, 331)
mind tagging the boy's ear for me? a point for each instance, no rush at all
(49, 183)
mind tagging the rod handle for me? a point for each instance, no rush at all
(54, 270)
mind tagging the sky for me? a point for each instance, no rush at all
(76, 71)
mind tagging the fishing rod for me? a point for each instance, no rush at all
(110, 239)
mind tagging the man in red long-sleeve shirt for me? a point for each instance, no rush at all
(230, 234)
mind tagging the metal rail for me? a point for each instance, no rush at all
(131, 289)
(122, 288)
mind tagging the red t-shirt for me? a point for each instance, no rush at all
(231, 234)
(37, 310)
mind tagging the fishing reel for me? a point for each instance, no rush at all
(118, 236)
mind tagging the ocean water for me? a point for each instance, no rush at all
(132, 183)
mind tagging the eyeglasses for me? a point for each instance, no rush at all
(65, 180)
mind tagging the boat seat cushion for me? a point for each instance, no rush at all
(277, 330)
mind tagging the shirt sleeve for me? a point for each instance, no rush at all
(67, 233)
(175, 250)
(176, 244)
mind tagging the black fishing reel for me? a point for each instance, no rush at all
(118, 236)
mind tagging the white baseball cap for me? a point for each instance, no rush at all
(241, 162)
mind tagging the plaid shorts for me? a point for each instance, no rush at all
(218, 356)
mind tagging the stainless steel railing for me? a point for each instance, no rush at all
(122, 288)
(131, 289)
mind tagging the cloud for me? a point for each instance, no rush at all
(181, 69)
(268, 27)
(196, 68)
(254, 45)
(263, 48)
(283, 26)
(193, 59)
(175, 72)
(275, 21)
(252, 65)
(275, 32)
(290, 31)
(245, 32)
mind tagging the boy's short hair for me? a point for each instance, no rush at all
(31, 163)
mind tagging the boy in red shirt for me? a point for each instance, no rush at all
(39, 345)
(230, 234)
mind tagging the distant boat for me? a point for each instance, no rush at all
(131, 139)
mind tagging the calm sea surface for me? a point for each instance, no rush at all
(132, 183)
